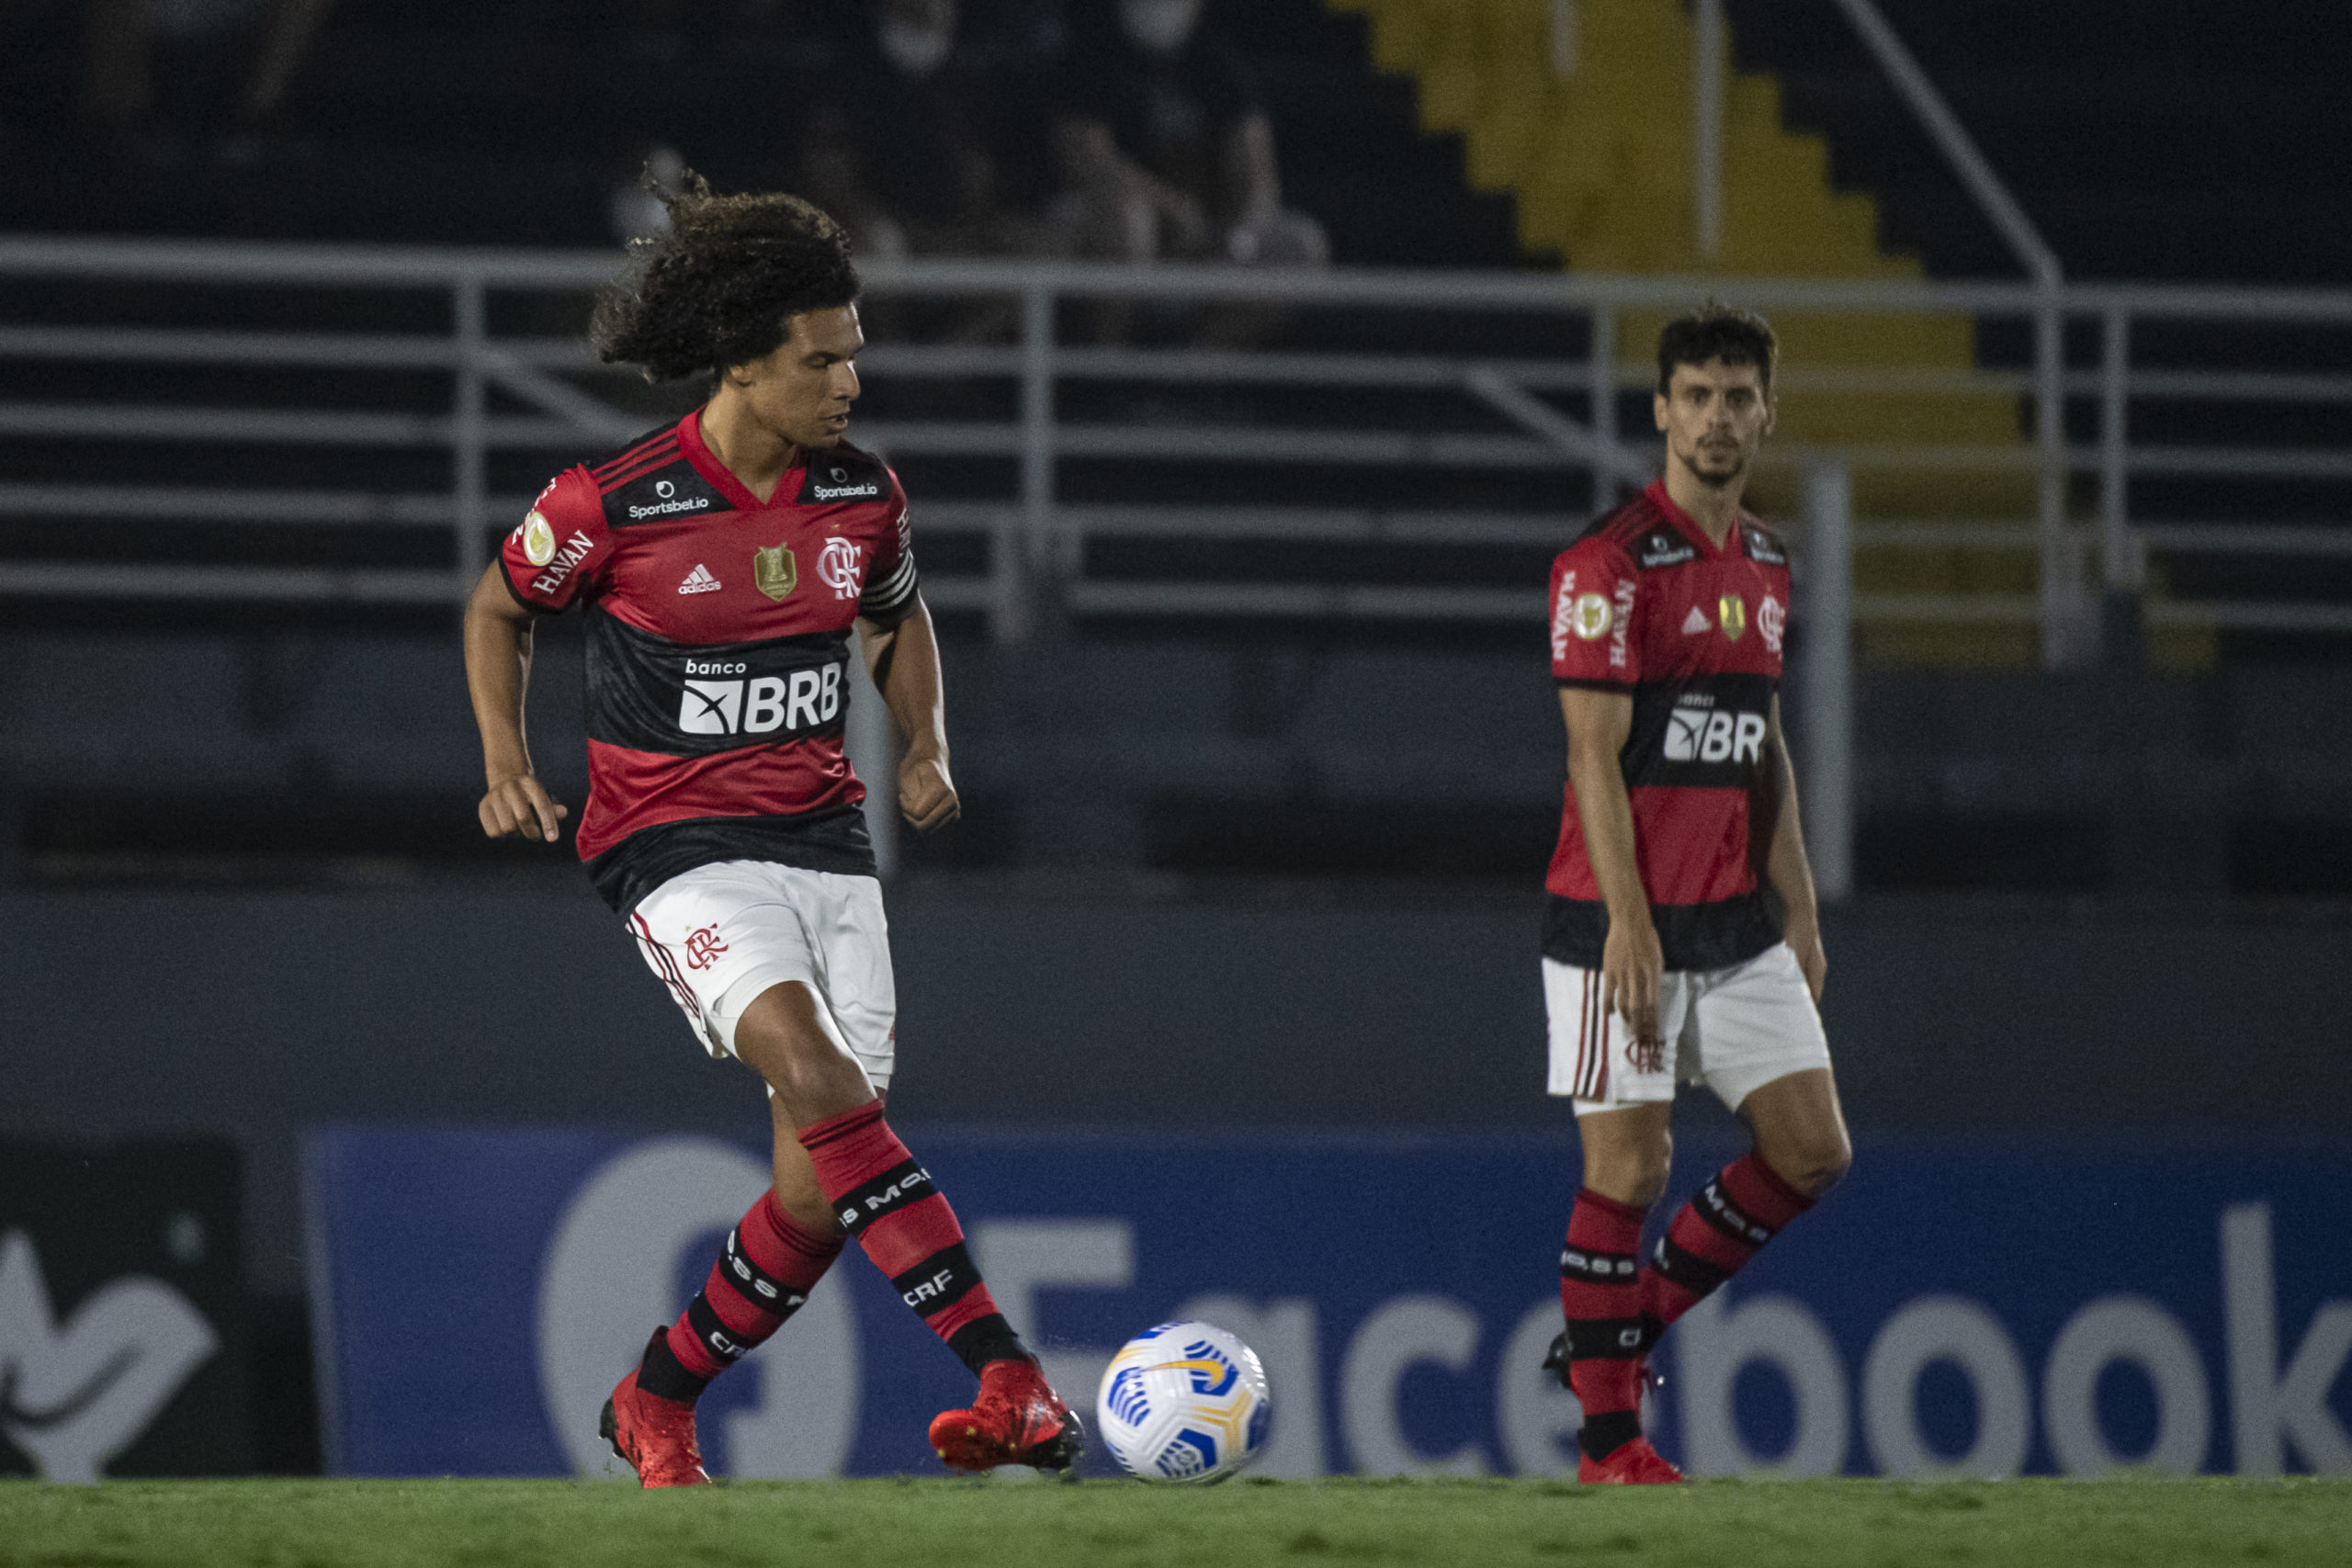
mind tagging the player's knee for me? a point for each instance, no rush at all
(1816, 1164)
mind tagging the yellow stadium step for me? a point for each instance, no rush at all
(1599, 160)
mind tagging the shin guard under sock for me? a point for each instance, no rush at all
(1742, 1206)
(763, 1276)
(889, 1205)
(1600, 1298)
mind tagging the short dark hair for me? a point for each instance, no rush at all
(1715, 331)
(716, 289)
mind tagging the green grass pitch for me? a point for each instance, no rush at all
(968, 1524)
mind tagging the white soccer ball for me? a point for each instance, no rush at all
(1184, 1402)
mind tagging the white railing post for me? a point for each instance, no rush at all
(1707, 127)
(1829, 692)
(2118, 551)
(1018, 572)
(2060, 592)
(468, 437)
(1601, 369)
(1564, 38)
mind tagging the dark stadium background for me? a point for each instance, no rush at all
(220, 921)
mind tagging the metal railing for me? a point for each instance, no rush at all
(1558, 418)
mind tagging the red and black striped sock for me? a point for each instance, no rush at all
(1600, 1297)
(1742, 1206)
(763, 1275)
(888, 1203)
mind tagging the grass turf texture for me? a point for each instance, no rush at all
(965, 1524)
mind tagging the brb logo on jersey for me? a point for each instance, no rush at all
(761, 705)
(1697, 731)
(837, 567)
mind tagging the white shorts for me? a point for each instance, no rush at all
(719, 935)
(1735, 1030)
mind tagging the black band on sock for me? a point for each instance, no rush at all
(1687, 1269)
(986, 1339)
(1599, 1268)
(664, 1376)
(938, 1282)
(902, 1184)
(1607, 1431)
(716, 1337)
(1609, 1339)
(761, 1290)
(1714, 1206)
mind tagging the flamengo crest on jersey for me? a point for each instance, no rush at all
(718, 646)
(1646, 606)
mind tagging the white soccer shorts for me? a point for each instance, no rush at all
(1734, 1029)
(719, 936)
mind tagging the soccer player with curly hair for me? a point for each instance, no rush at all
(723, 563)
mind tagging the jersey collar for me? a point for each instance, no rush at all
(722, 478)
(1735, 543)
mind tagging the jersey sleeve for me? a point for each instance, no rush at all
(891, 581)
(1595, 596)
(561, 547)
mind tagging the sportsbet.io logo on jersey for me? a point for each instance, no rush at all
(842, 490)
(667, 501)
(763, 704)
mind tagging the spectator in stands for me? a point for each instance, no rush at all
(221, 61)
(929, 95)
(1165, 151)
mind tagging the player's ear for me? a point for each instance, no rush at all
(1660, 407)
(1771, 410)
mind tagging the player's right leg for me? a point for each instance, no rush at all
(1624, 1098)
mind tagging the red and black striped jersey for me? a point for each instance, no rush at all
(1643, 604)
(719, 648)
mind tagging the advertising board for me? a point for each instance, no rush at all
(1977, 1308)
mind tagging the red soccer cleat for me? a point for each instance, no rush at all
(655, 1436)
(1017, 1419)
(1632, 1464)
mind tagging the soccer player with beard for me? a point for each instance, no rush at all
(723, 563)
(1681, 938)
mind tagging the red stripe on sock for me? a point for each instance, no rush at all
(1757, 1187)
(1599, 1224)
(852, 1148)
(784, 1247)
(691, 1352)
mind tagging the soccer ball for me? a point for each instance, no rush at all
(1184, 1402)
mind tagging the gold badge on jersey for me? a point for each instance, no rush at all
(1733, 616)
(774, 572)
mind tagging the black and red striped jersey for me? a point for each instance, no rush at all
(719, 648)
(1646, 604)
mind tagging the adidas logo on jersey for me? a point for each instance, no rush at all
(699, 580)
(1695, 622)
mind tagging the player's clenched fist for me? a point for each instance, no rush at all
(518, 807)
(926, 794)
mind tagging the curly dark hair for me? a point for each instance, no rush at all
(1715, 331)
(716, 289)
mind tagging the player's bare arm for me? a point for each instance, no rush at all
(1631, 961)
(1786, 865)
(497, 672)
(902, 655)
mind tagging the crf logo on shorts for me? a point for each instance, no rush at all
(703, 948)
(803, 700)
(1646, 1055)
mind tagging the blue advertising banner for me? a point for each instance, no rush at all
(1979, 1308)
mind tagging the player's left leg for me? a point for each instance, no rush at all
(1762, 1049)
